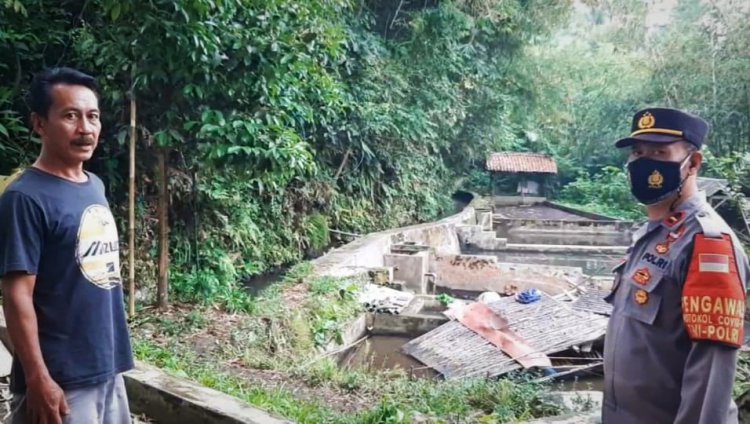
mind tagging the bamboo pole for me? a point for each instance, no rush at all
(131, 210)
(163, 284)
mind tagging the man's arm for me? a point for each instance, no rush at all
(21, 237)
(18, 304)
(713, 306)
(45, 399)
(707, 384)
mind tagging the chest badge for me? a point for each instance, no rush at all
(641, 297)
(642, 276)
(663, 247)
(655, 180)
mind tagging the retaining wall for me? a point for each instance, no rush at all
(369, 250)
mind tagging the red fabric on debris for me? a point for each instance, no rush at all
(494, 328)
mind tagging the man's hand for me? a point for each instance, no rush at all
(45, 402)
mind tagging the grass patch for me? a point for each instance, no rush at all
(402, 400)
(282, 402)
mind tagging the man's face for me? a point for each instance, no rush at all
(667, 152)
(70, 132)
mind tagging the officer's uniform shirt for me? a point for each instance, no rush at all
(671, 345)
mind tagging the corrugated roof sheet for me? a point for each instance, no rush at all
(521, 163)
(712, 185)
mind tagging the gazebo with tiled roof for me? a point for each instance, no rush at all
(533, 169)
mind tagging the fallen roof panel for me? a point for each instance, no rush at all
(549, 326)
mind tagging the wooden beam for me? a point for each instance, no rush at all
(163, 212)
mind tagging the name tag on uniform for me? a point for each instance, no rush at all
(660, 263)
(708, 262)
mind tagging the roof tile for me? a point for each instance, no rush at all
(521, 163)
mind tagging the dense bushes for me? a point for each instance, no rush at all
(281, 119)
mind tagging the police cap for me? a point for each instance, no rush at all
(664, 125)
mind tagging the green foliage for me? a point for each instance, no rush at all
(318, 232)
(184, 364)
(741, 387)
(332, 304)
(484, 401)
(607, 193)
(285, 120)
(478, 181)
(445, 299)
(282, 119)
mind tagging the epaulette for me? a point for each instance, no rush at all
(710, 226)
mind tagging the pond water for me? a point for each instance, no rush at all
(256, 284)
(585, 380)
(384, 353)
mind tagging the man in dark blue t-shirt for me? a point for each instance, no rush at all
(60, 268)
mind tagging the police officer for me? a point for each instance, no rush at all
(679, 297)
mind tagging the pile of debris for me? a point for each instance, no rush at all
(384, 300)
(506, 335)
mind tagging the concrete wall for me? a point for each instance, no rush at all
(173, 400)
(583, 238)
(585, 214)
(410, 269)
(410, 325)
(479, 273)
(536, 231)
(476, 237)
(368, 251)
(517, 200)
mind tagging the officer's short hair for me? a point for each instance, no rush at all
(691, 148)
(40, 92)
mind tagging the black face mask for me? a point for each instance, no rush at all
(652, 181)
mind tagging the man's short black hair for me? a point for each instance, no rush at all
(40, 93)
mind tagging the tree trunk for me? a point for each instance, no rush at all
(163, 282)
(131, 211)
(343, 164)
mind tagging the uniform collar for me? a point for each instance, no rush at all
(683, 211)
(675, 219)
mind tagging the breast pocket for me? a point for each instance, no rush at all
(643, 297)
(617, 271)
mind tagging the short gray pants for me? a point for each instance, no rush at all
(105, 403)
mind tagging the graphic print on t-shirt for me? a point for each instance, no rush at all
(98, 248)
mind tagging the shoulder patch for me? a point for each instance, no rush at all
(713, 298)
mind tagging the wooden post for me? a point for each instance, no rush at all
(131, 210)
(492, 191)
(163, 282)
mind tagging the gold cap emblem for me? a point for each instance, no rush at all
(646, 121)
(655, 180)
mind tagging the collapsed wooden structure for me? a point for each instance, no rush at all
(548, 325)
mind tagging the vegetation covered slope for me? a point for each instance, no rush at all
(282, 119)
